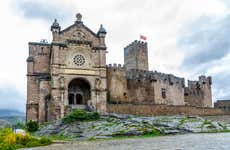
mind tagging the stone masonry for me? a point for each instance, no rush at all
(223, 104)
(71, 72)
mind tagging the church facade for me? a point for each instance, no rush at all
(71, 72)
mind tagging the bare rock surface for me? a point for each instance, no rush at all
(128, 125)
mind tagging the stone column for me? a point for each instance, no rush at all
(62, 104)
(94, 99)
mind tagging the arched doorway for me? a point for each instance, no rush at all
(78, 92)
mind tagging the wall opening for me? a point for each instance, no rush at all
(79, 92)
(79, 99)
(163, 93)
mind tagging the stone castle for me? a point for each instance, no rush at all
(71, 72)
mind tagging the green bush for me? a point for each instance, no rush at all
(33, 143)
(45, 141)
(10, 140)
(80, 115)
(32, 126)
(19, 125)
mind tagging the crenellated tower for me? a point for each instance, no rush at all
(136, 56)
(199, 93)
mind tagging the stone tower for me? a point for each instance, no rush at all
(68, 73)
(199, 93)
(206, 83)
(136, 56)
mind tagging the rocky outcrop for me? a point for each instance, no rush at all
(128, 125)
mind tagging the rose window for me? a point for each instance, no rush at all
(79, 60)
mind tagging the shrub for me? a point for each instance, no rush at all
(22, 139)
(4, 133)
(19, 125)
(81, 115)
(10, 140)
(33, 143)
(32, 126)
(45, 141)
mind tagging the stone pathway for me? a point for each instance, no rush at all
(207, 141)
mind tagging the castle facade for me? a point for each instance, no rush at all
(71, 72)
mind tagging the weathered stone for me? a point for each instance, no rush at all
(132, 126)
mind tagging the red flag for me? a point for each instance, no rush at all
(142, 37)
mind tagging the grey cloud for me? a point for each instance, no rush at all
(221, 86)
(41, 10)
(11, 98)
(205, 41)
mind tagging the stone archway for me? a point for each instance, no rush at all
(78, 92)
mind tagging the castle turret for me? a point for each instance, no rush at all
(205, 85)
(55, 28)
(136, 56)
(101, 33)
(199, 93)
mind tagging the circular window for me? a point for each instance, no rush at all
(79, 60)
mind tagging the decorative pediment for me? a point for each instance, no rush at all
(78, 33)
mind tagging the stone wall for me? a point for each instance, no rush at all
(150, 110)
(144, 87)
(38, 67)
(117, 83)
(199, 93)
(223, 104)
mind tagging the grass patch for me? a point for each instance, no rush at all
(58, 137)
(146, 134)
(92, 139)
(206, 122)
(80, 115)
(182, 121)
(154, 132)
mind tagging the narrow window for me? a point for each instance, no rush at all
(163, 93)
(41, 51)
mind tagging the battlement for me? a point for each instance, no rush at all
(198, 93)
(136, 55)
(136, 43)
(43, 42)
(134, 74)
(205, 80)
(115, 67)
(198, 83)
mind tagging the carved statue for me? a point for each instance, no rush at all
(97, 83)
(62, 83)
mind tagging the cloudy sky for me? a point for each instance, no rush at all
(185, 37)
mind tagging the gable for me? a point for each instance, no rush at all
(79, 32)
